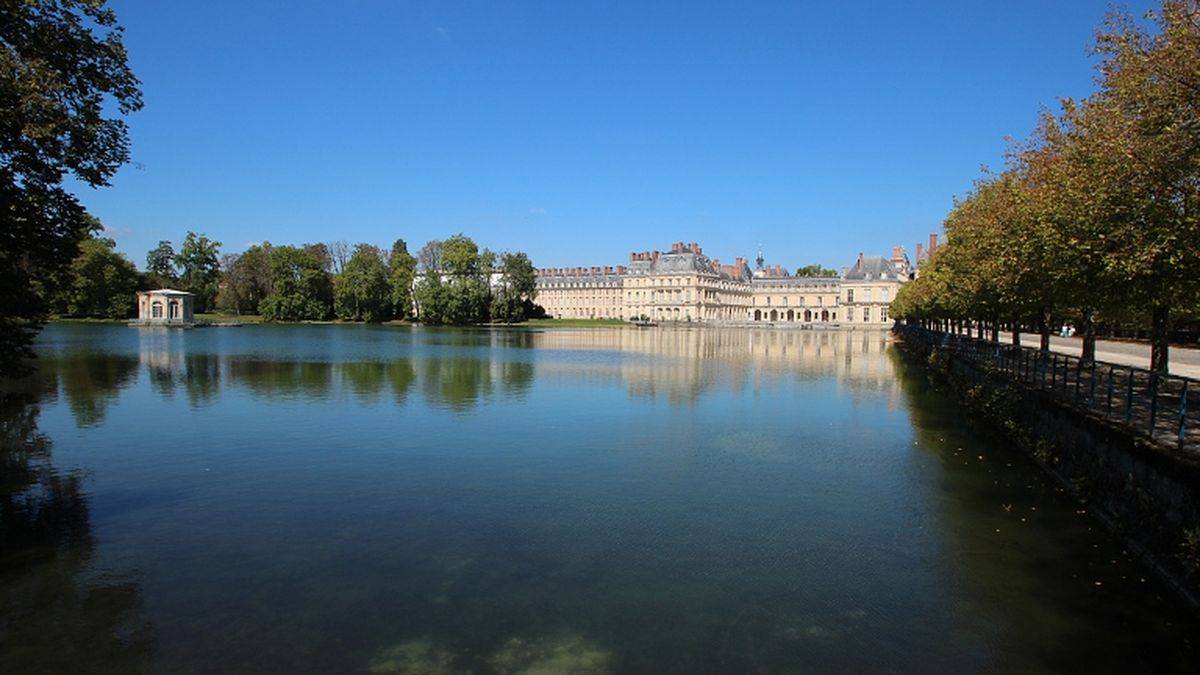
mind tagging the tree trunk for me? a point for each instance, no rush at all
(1044, 332)
(1087, 325)
(1160, 338)
(1016, 333)
(995, 330)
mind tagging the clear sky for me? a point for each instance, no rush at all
(579, 131)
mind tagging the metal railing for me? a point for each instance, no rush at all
(1151, 405)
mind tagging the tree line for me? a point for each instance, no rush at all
(448, 282)
(1096, 217)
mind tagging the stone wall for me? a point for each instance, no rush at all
(1147, 495)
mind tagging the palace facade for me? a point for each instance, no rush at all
(683, 284)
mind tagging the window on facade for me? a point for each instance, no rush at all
(156, 309)
(866, 314)
(883, 313)
(866, 295)
(850, 295)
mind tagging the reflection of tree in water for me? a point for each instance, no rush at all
(455, 382)
(55, 615)
(364, 378)
(197, 373)
(90, 382)
(267, 377)
(1029, 561)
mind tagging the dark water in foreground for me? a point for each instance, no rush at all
(342, 499)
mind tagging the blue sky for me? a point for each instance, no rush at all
(579, 131)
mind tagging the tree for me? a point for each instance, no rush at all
(429, 258)
(460, 257)
(816, 271)
(1145, 120)
(62, 68)
(245, 279)
(363, 292)
(402, 269)
(339, 255)
(103, 283)
(300, 286)
(467, 295)
(513, 299)
(430, 297)
(160, 264)
(200, 268)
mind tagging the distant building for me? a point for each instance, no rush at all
(685, 285)
(165, 307)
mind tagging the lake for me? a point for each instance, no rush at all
(395, 499)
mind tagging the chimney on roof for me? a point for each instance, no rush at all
(897, 254)
(860, 257)
(932, 242)
(920, 252)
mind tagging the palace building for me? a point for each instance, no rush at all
(684, 285)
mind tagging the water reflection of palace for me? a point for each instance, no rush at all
(683, 363)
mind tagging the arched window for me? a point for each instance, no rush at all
(156, 311)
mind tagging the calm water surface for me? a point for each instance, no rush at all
(356, 499)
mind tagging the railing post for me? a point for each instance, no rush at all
(1108, 409)
(1183, 414)
(1129, 398)
(1153, 400)
(1092, 383)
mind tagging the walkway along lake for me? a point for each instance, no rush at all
(390, 499)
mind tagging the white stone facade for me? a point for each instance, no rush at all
(165, 307)
(684, 285)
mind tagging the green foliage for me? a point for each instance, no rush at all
(363, 291)
(102, 282)
(160, 261)
(513, 299)
(245, 280)
(467, 301)
(460, 257)
(457, 292)
(300, 286)
(200, 268)
(430, 296)
(402, 271)
(62, 68)
(815, 271)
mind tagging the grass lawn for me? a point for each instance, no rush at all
(575, 323)
(228, 318)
